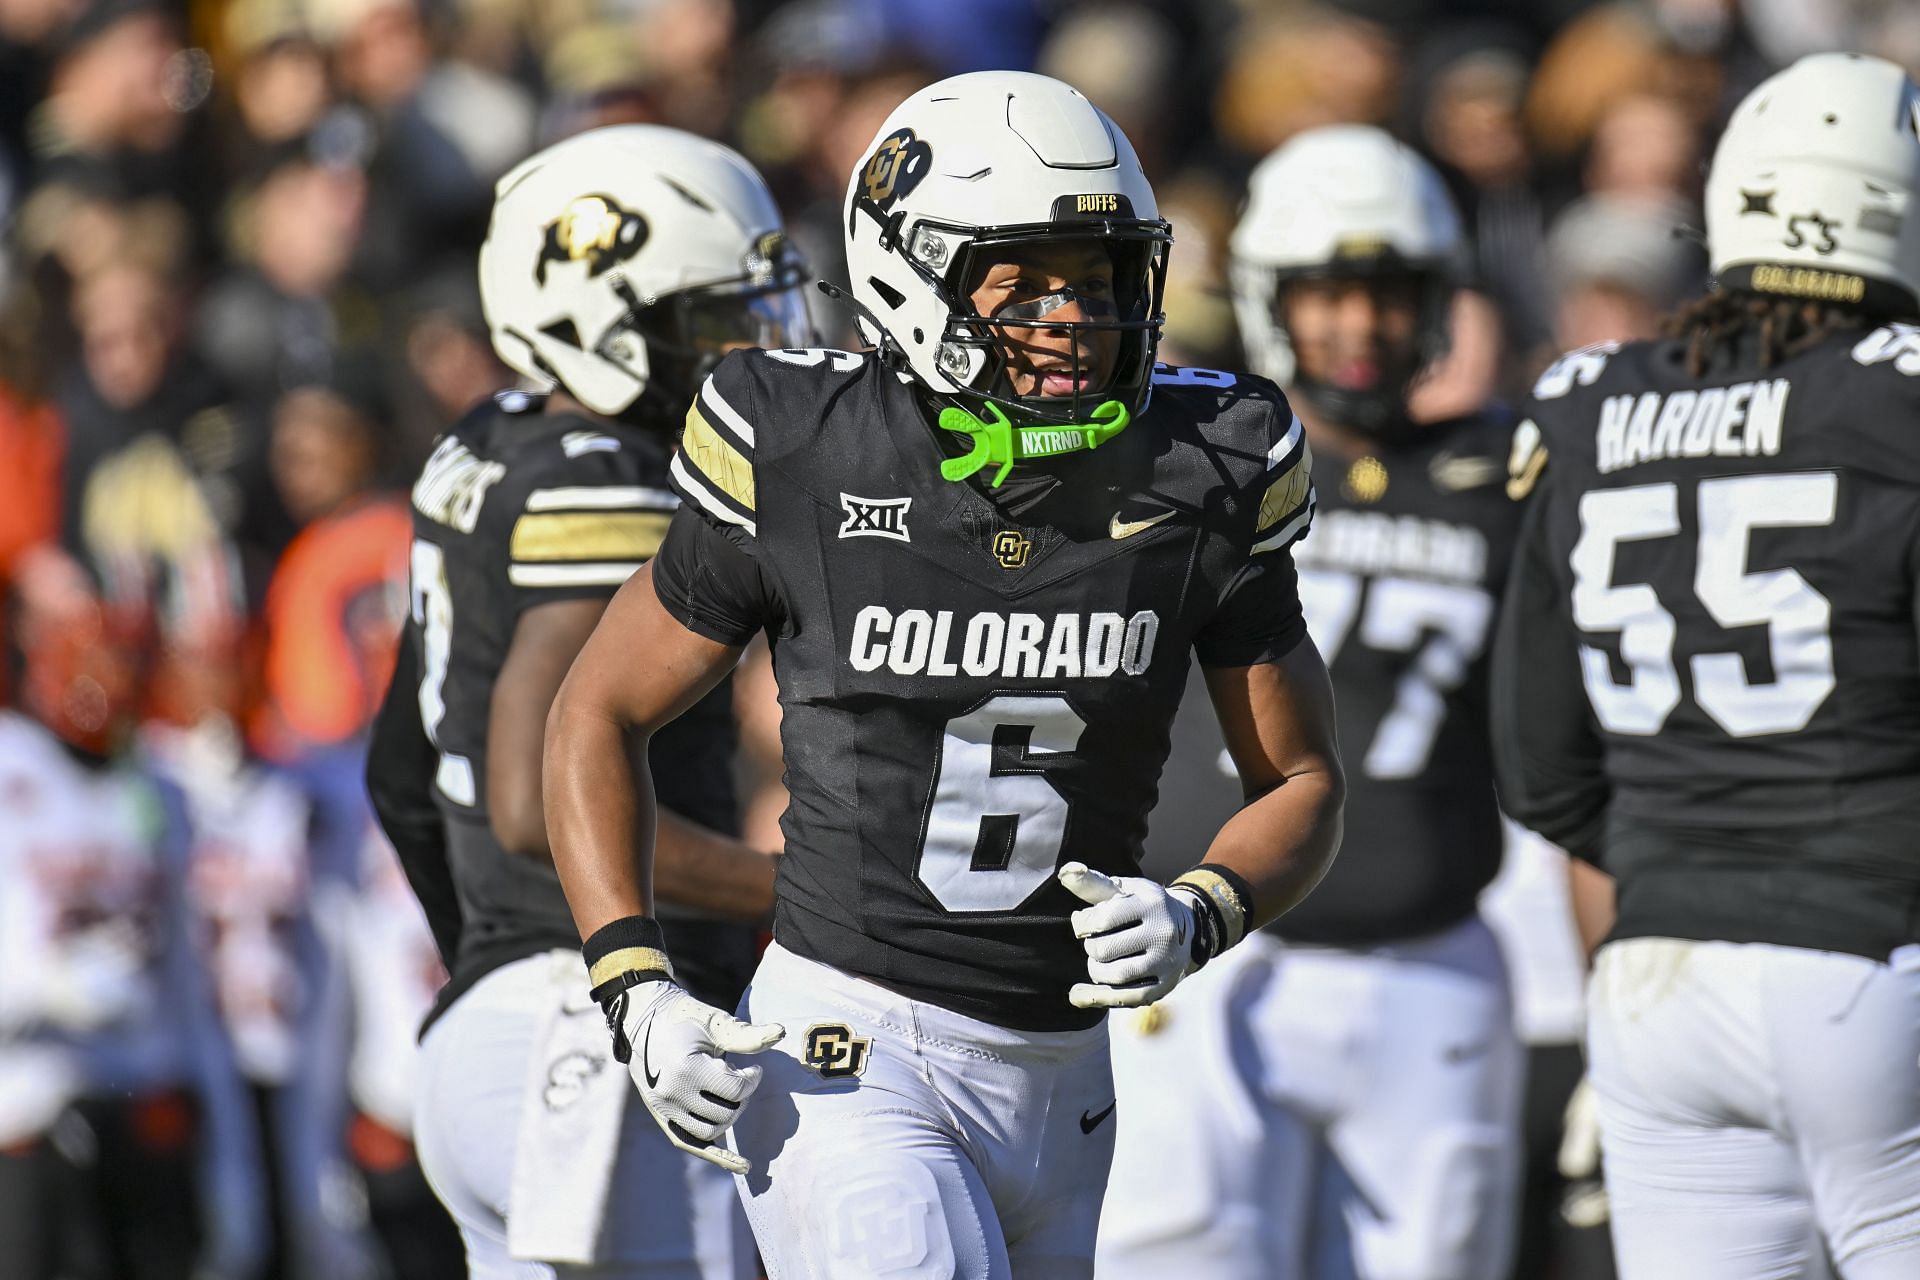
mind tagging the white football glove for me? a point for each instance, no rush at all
(1138, 935)
(674, 1044)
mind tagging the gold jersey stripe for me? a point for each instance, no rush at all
(711, 454)
(589, 535)
(1285, 494)
(628, 960)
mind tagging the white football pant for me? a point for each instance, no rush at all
(1759, 1109)
(668, 1215)
(1307, 1113)
(895, 1138)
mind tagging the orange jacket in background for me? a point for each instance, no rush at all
(334, 610)
(33, 443)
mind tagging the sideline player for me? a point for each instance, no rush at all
(128, 1145)
(980, 632)
(1708, 684)
(619, 264)
(1340, 1096)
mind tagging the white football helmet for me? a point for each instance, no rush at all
(625, 261)
(1813, 186)
(1344, 200)
(995, 159)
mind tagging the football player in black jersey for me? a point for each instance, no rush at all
(984, 554)
(620, 264)
(1366, 1036)
(1707, 682)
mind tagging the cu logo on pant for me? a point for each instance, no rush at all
(835, 1052)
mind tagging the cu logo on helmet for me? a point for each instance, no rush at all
(594, 230)
(835, 1052)
(896, 168)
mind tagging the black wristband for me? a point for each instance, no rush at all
(1223, 902)
(621, 956)
(628, 951)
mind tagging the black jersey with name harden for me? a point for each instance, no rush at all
(976, 688)
(1710, 675)
(518, 508)
(1401, 581)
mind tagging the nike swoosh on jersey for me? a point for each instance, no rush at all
(1118, 528)
(1091, 1120)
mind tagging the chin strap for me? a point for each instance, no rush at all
(997, 442)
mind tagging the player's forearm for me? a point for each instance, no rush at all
(600, 813)
(698, 867)
(1283, 842)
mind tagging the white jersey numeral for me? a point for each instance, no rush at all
(432, 606)
(1447, 624)
(1609, 517)
(1016, 814)
(1797, 617)
(1167, 376)
(814, 357)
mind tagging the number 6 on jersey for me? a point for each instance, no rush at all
(994, 829)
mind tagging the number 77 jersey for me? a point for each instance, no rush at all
(977, 685)
(1719, 579)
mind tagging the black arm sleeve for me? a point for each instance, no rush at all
(1259, 619)
(711, 580)
(1548, 757)
(400, 768)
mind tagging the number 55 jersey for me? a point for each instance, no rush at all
(1709, 667)
(977, 685)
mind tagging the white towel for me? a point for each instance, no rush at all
(570, 1116)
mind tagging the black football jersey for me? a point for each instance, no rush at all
(517, 508)
(976, 687)
(1708, 678)
(1401, 581)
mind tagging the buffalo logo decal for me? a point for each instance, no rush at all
(594, 230)
(896, 168)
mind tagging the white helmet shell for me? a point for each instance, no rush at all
(1341, 197)
(1812, 188)
(969, 156)
(586, 227)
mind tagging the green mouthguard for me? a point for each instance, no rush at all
(998, 442)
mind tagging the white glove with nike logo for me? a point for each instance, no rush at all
(675, 1044)
(671, 1042)
(1142, 937)
(1138, 936)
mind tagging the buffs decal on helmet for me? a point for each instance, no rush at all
(594, 230)
(895, 168)
(622, 262)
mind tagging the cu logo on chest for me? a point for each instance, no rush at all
(835, 1052)
(1011, 548)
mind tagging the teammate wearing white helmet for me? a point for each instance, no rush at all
(985, 554)
(620, 265)
(1707, 682)
(1362, 1043)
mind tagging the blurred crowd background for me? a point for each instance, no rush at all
(237, 302)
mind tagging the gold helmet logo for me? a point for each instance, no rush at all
(895, 168)
(594, 230)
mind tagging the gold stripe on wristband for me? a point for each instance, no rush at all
(1223, 897)
(628, 960)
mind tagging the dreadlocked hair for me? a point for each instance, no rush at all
(1726, 325)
